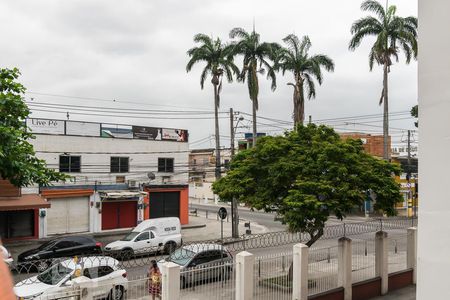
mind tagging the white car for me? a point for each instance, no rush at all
(6, 255)
(59, 280)
(160, 234)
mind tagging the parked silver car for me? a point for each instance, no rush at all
(202, 263)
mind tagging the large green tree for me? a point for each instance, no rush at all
(18, 162)
(393, 34)
(307, 175)
(305, 68)
(415, 113)
(219, 62)
(256, 60)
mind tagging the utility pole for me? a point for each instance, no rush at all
(232, 132)
(408, 174)
(234, 207)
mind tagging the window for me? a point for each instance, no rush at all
(96, 272)
(142, 237)
(68, 163)
(119, 164)
(165, 165)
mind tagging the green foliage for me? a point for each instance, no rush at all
(307, 175)
(415, 114)
(392, 33)
(305, 68)
(216, 55)
(256, 56)
(17, 157)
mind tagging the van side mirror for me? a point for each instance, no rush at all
(69, 283)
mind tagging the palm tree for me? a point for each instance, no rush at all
(393, 34)
(295, 58)
(219, 63)
(255, 55)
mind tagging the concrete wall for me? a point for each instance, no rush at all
(96, 167)
(434, 171)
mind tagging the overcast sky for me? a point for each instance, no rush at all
(135, 51)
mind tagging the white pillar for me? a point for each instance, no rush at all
(345, 266)
(170, 283)
(244, 275)
(300, 272)
(411, 251)
(381, 260)
(433, 263)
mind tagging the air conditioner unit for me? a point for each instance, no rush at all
(132, 184)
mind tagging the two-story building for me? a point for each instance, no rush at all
(119, 175)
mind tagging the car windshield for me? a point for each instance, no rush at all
(181, 256)
(47, 245)
(130, 236)
(54, 275)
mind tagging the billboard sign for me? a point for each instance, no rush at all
(48, 126)
(82, 128)
(146, 133)
(117, 131)
(178, 135)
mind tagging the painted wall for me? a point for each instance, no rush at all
(434, 147)
(96, 166)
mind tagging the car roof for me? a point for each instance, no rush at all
(91, 261)
(77, 238)
(202, 247)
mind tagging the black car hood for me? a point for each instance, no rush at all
(22, 256)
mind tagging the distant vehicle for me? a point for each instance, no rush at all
(201, 262)
(40, 258)
(153, 235)
(57, 282)
(6, 255)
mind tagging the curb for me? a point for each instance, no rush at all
(183, 227)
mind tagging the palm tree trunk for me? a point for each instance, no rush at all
(254, 122)
(216, 121)
(386, 155)
(301, 100)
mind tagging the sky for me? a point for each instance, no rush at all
(132, 55)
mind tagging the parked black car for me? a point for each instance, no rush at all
(41, 258)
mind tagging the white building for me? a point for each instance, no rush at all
(120, 175)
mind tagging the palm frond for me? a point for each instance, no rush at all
(375, 7)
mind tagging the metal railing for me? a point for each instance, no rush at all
(213, 281)
(363, 260)
(322, 269)
(271, 277)
(397, 253)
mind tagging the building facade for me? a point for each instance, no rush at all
(119, 175)
(373, 144)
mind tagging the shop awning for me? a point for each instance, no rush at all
(121, 194)
(23, 202)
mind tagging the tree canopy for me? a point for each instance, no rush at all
(308, 175)
(18, 162)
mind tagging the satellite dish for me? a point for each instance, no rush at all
(151, 175)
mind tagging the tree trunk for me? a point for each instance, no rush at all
(301, 102)
(386, 155)
(216, 121)
(314, 238)
(254, 122)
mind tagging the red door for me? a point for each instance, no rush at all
(119, 215)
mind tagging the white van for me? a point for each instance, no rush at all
(160, 234)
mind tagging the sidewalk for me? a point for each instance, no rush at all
(407, 293)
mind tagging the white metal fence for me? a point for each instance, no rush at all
(397, 253)
(271, 277)
(216, 281)
(322, 270)
(363, 260)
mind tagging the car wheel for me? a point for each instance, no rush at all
(169, 247)
(127, 254)
(116, 293)
(42, 265)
